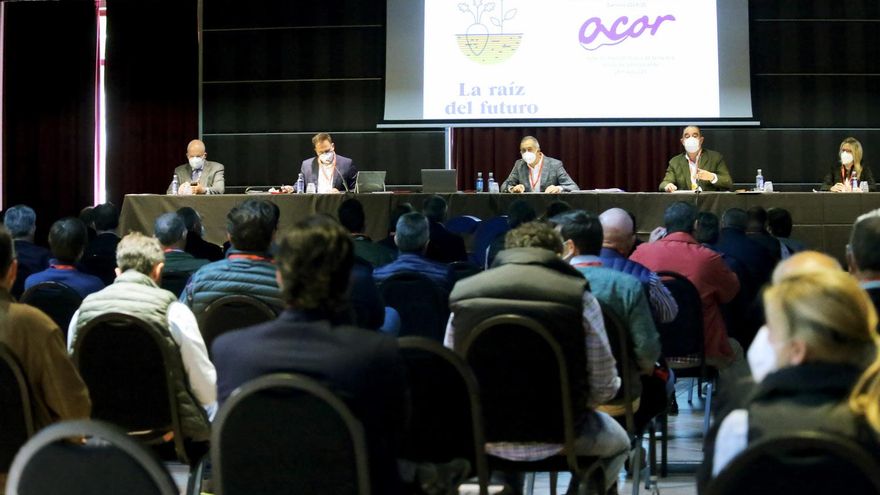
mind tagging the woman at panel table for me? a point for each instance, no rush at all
(840, 176)
(818, 352)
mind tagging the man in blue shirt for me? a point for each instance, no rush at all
(411, 237)
(67, 238)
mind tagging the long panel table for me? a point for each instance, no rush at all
(822, 220)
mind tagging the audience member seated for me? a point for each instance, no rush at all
(171, 232)
(99, 257)
(555, 208)
(67, 238)
(248, 268)
(352, 217)
(362, 367)
(531, 270)
(412, 239)
(56, 389)
(518, 213)
(87, 215)
(617, 244)
(819, 365)
(624, 296)
(397, 212)
(196, 245)
(735, 243)
(679, 252)
(21, 221)
(445, 246)
(863, 254)
(135, 292)
(779, 223)
(757, 230)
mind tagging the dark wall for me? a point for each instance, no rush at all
(275, 73)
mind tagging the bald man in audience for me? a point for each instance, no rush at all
(617, 243)
(863, 254)
(198, 176)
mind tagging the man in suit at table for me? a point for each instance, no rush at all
(208, 176)
(331, 173)
(536, 172)
(696, 168)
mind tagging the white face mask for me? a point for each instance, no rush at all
(196, 162)
(326, 158)
(762, 356)
(692, 145)
(846, 157)
(529, 157)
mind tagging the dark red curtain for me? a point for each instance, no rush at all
(49, 64)
(152, 92)
(631, 158)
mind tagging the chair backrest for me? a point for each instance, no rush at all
(286, 433)
(16, 416)
(175, 282)
(463, 269)
(108, 462)
(128, 372)
(463, 224)
(446, 418)
(621, 344)
(231, 313)
(484, 235)
(524, 381)
(683, 336)
(59, 301)
(422, 304)
(807, 463)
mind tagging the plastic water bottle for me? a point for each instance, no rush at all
(479, 182)
(493, 186)
(759, 181)
(300, 184)
(854, 179)
(174, 184)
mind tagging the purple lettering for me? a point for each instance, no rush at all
(619, 32)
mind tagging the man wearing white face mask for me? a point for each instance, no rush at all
(329, 172)
(536, 172)
(696, 168)
(198, 176)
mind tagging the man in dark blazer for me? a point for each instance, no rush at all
(207, 175)
(329, 172)
(696, 167)
(21, 220)
(863, 254)
(536, 172)
(444, 246)
(362, 367)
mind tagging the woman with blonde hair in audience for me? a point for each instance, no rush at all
(816, 366)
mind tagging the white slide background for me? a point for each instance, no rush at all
(537, 67)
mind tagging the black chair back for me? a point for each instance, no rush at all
(446, 419)
(809, 463)
(523, 380)
(231, 313)
(175, 282)
(128, 372)
(59, 301)
(108, 462)
(16, 416)
(621, 344)
(422, 304)
(684, 335)
(285, 433)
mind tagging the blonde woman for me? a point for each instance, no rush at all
(849, 156)
(818, 352)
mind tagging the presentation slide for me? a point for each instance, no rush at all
(568, 59)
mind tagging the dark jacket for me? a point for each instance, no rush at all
(678, 172)
(837, 172)
(344, 175)
(99, 257)
(250, 274)
(201, 248)
(31, 259)
(362, 367)
(445, 246)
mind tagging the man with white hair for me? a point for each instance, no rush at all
(536, 172)
(21, 220)
(617, 243)
(136, 292)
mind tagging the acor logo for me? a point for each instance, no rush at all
(594, 35)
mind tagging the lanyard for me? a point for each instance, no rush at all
(63, 267)
(332, 171)
(535, 182)
(252, 257)
(172, 250)
(696, 168)
(585, 264)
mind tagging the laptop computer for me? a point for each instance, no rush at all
(439, 180)
(369, 181)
